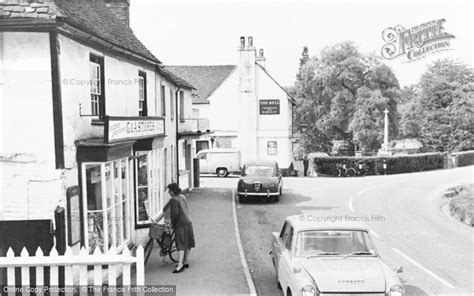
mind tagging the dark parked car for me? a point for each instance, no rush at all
(260, 178)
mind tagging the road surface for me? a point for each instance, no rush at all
(403, 211)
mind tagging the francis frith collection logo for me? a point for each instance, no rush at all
(416, 42)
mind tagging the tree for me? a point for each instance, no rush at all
(328, 97)
(368, 121)
(447, 102)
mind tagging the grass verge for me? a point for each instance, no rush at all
(461, 205)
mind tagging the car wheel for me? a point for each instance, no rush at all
(242, 199)
(222, 172)
(276, 198)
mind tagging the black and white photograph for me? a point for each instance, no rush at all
(267, 147)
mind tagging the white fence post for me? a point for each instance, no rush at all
(114, 261)
(39, 270)
(140, 269)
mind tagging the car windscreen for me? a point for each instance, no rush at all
(334, 242)
(259, 170)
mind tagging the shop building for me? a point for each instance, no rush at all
(88, 126)
(246, 107)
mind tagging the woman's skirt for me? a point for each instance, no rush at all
(184, 237)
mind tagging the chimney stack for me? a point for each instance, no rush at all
(247, 98)
(121, 9)
(242, 41)
(260, 59)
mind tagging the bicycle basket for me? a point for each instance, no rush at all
(157, 230)
(166, 240)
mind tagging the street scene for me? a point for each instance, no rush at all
(293, 148)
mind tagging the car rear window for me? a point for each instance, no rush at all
(259, 170)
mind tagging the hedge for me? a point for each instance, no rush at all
(465, 158)
(395, 164)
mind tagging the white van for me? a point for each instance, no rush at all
(221, 162)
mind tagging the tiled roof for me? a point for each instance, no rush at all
(175, 78)
(90, 16)
(206, 79)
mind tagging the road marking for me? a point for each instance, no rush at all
(373, 187)
(248, 277)
(350, 204)
(424, 269)
(365, 190)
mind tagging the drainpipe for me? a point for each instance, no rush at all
(177, 133)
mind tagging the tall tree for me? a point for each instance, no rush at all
(328, 89)
(446, 101)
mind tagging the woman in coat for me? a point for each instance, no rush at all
(182, 225)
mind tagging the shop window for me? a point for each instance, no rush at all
(107, 215)
(148, 199)
(142, 97)
(96, 66)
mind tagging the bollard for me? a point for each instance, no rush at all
(196, 173)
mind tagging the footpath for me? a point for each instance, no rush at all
(215, 264)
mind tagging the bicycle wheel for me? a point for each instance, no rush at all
(340, 172)
(172, 251)
(379, 170)
(351, 172)
(148, 249)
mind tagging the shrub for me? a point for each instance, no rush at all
(395, 164)
(464, 158)
(462, 205)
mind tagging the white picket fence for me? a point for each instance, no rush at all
(116, 263)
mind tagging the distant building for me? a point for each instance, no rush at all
(246, 107)
(90, 120)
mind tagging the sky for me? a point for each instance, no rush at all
(208, 32)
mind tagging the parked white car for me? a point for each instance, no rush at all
(315, 259)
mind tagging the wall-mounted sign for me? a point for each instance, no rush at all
(73, 215)
(272, 148)
(269, 107)
(129, 128)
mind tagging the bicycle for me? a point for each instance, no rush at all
(163, 234)
(380, 168)
(343, 171)
(363, 169)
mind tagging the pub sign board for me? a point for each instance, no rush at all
(131, 128)
(269, 107)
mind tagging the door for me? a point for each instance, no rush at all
(201, 145)
(30, 234)
(188, 164)
(204, 163)
(284, 263)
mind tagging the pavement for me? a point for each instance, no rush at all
(215, 263)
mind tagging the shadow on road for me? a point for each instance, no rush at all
(413, 290)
